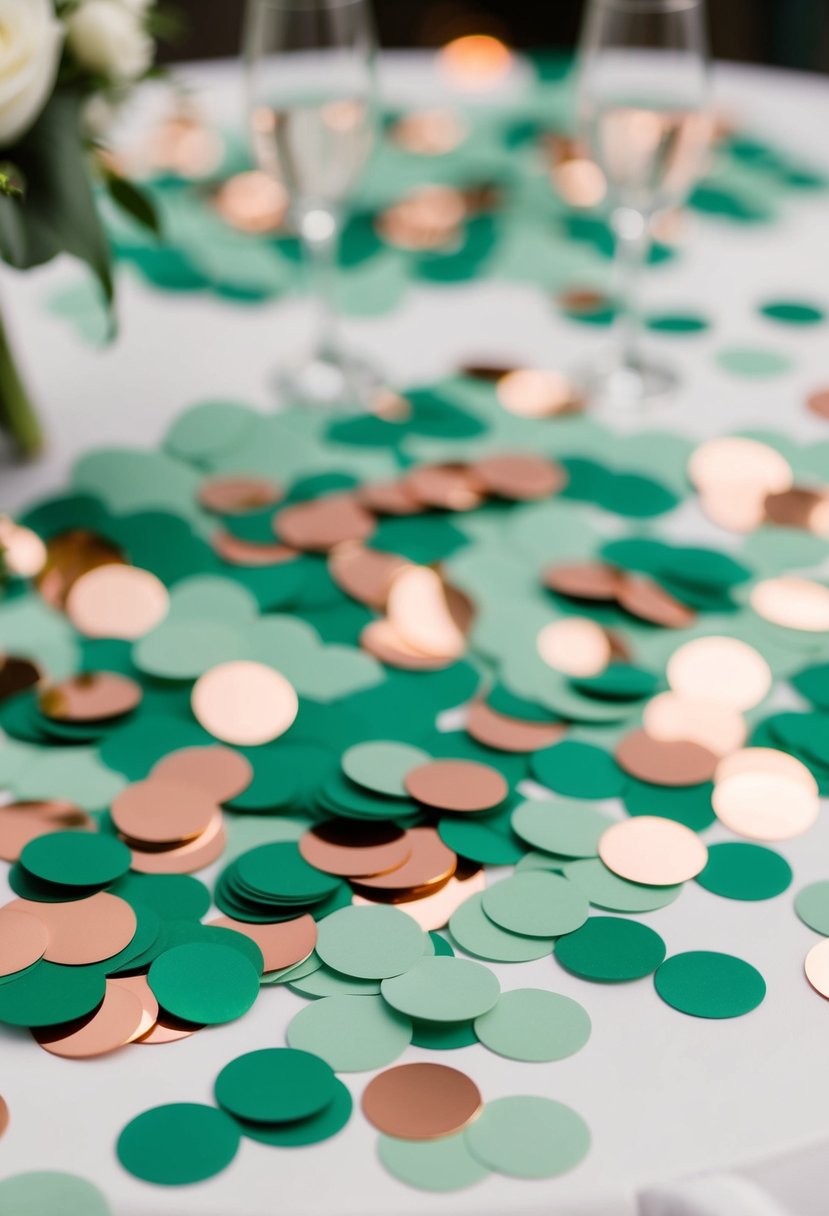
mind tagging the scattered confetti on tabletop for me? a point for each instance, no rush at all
(416, 746)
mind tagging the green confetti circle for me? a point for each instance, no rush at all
(322, 981)
(812, 906)
(578, 770)
(275, 1085)
(753, 362)
(279, 871)
(45, 1192)
(48, 994)
(443, 1036)
(76, 859)
(330, 1120)
(528, 1137)
(477, 934)
(441, 989)
(172, 896)
(535, 1025)
(607, 890)
(707, 984)
(205, 983)
(479, 842)
(431, 1165)
(352, 1035)
(569, 828)
(178, 1144)
(370, 943)
(382, 766)
(793, 312)
(738, 870)
(689, 804)
(537, 904)
(611, 950)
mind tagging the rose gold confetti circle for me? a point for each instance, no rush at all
(237, 552)
(160, 811)
(816, 967)
(580, 183)
(24, 553)
(23, 939)
(519, 477)
(252, 202)
(318, 526)
(445, 487)
(217, 771)
(720, 669)
(645, 599)
(83, 931)
(766, 760)
(430, 863)
(168, 1030)
(665, 762)
(429, 132)
(583, 300)
(428, 218)
(381, 640)
(535, 393)
(652, 851)
(506, 734)
(732, 460)
(793, 508)
(765, 806)
(718, 728)
(421, 1101)
(16, 675)
(117, 602)
(794, 603)
(434, 909)
(456, 785)
(244, 702)
(21, 822)
(818, 402)
(352, 850)
(389, 498)
(574, 645)
(238, 494)
(4, 1115)
(90, 696)
(420, 611)
(583, 580)
(69, 556)
(186, 858)
(113, 1025)
(139, 986)
(282, 944)
(364, 574)
(736, 507)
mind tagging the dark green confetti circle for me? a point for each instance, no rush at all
(76, 859)
(178, 1144)
(172, 896)
(707, 984)
(611, 950)
(745, 871)
(578, 770)
(205, 983)
(275, 1085)
(793, 312)
(279, 871)
(322, 1126)
(48, 994)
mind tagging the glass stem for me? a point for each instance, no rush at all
(320, 233)
(632, 232)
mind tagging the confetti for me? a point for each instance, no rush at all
(535, 1025)
(706, 984)
(178, 1144)
(420, 1101)
(611, 950)
(528, 1137)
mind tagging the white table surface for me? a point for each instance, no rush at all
(664, 1095)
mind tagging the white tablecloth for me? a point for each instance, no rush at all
(666, 1096)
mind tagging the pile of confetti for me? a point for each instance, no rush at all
(354, 665)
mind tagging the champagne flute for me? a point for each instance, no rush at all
(643, 89)
(311, 99)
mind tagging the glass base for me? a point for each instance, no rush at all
(630, 384)
(330, 380)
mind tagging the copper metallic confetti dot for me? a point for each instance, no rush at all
(23, 939)
(380, 639)
(818, 402)
(428, 218)
(766, 760)
(583, 580)
(159, 811)
(423, 612)
(794, 603)
(429, 864)
(237, 552)
(84, 931)
(252, 201)
(4, 1115)
(535, 393)
(185, 858)
(421, 1101)
(519, 476)
(318, 526)
(238, 494)
(244, 702)
(16, 675)
(434, 909)
(765, 805)
(445, 487)
(140, 988)
(652, 851)
(114, 1024)
(583, 300)
(580, 182)
(283, 944)
(720, 669)
(816, 967)
(21, 822)
(719, 728)
(456, 785)
(168, 1029)
(69, 556)
(364, 574)
(117, 602)
(574, 645)
(645, 599)
(507, 734)
(798, 508)
(429, 132)
(24, 553)
(389, 498)
(354, 850)
(91, 696)
(665, 762)
(218, 771)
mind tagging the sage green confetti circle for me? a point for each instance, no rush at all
(370, 943)
(48, 994)
(535, 1025)
(351, 1034)
(756, 362)
(76, 859)
(322, 981)
(431, 1165)
(441, 989)
(178, 1144)
(579, 770)
(275, 1085)
(312, 1130)
(707, 984)
(204, 983)
(208, 429)
(45, 1192)
(611, 950)
(793, 312)
(477, 934)
(536, 904)
(567, 827)
(812, 906)
(528, 1137)
(738, 870)
(382, 767)
(606, 890)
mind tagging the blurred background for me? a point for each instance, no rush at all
(787, 33)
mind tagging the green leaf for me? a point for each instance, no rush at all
(59, 215)
(134, 202)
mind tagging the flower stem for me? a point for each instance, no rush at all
(17, 415)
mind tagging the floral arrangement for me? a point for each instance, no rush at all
(65, 66)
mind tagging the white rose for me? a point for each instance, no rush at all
(108, 36)
(30, 44)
